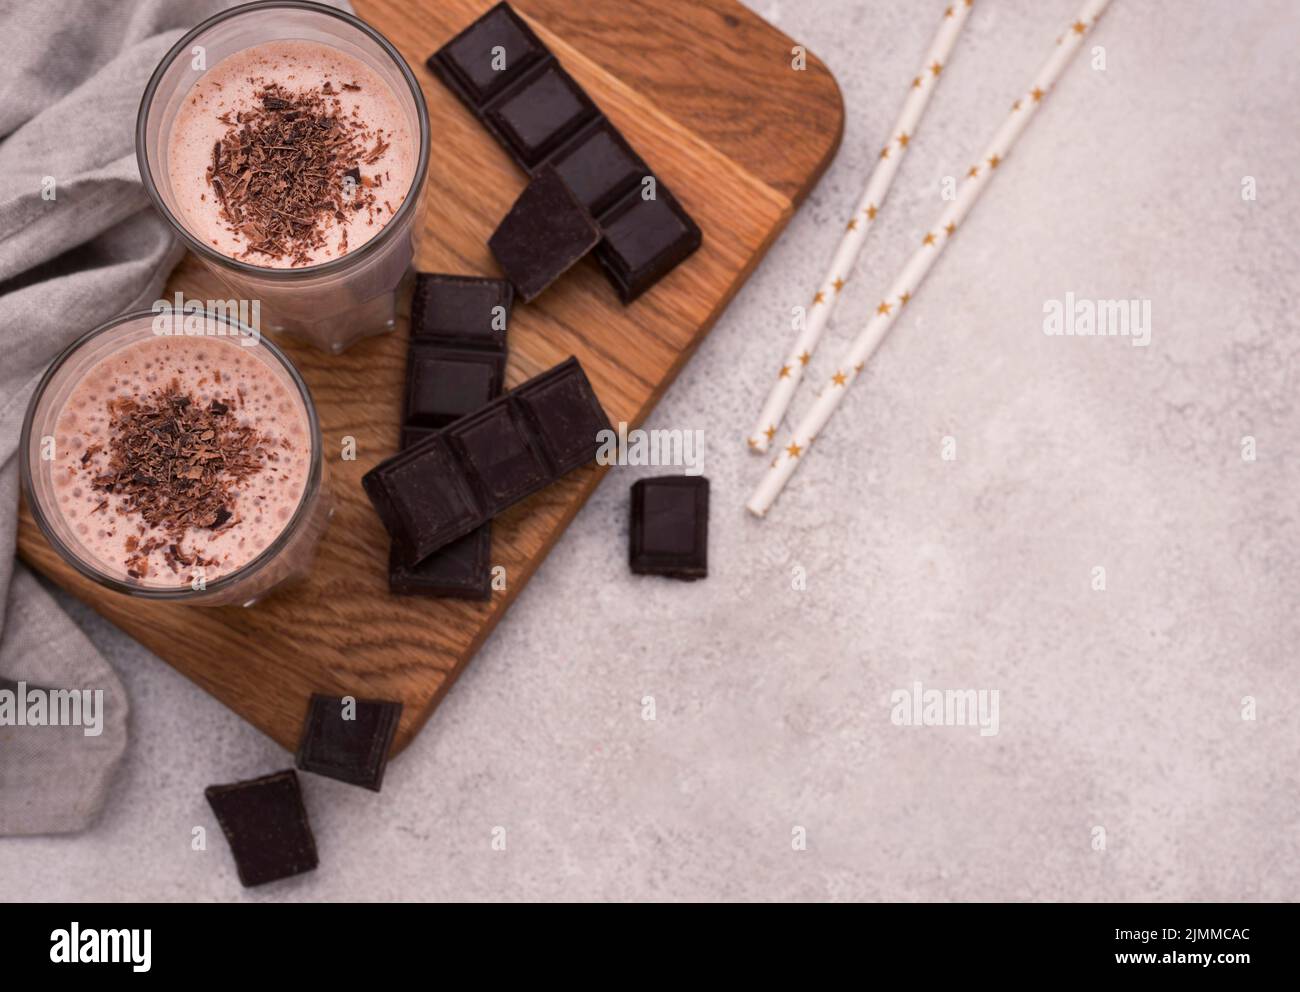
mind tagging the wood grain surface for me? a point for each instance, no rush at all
(705, 91)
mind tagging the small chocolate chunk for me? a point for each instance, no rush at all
(669, 532)
(545, 233)
(265, 824)
(348, 741)
(600, 167)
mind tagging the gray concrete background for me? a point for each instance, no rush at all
(1119, 709)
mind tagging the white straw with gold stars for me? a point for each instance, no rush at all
(932, 244)
(818, 314)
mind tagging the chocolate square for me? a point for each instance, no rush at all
(600, 167)
(444, 384)
(644, 240)
(545, 233)
(421, 494)
(540, 113)
(265, 824)
(488, 55)
(466, 310)
(566, 416)
(669, 533)
(494, 445)
(353, 751)
(459, 570)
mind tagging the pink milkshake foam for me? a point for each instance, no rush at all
(205, 370)
(234, 88)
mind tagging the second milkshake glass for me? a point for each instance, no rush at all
(334, 303)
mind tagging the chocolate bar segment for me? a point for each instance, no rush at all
(459, 570)
(265, 824)
(545, 233)
(349, 742)
(488, 55)
(669, 532)
(644, 240)
(444, 384)
(461, 310)
(470, 471)
(600, 167)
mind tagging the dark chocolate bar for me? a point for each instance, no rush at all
(669, 532)
(504, 74)
(470, 471)
(546, 232)
(265, 824)
(349, 746)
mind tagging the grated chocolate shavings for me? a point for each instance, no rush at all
(278, 172)
(176, 466)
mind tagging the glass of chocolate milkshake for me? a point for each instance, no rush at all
(177, 457)
(288, 144)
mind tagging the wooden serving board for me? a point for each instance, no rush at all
(705, 91)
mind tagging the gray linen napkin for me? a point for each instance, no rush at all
(71, 75)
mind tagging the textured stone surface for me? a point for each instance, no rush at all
(1119, 709)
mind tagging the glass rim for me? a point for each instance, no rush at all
(310, 488)
(334, 265)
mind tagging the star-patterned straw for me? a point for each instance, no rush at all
(873, 196)
(932, 244)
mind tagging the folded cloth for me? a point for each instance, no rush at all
(79, 243)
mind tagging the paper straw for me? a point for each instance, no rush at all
(873, 196)
(936, 238)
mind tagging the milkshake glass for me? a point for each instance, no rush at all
(211, 79)
(206, 421)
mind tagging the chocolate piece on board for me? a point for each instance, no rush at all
(351, 750)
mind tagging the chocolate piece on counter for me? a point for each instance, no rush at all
(644, 241)
(488, 55)
(545, 233)
(351, 750)
(670, 527)
(266, 827)
(461, 310)
(542, 117)
(470, 471)
(600, 167)
(444, 384)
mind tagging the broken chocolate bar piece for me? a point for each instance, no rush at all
(464, 475)
(545, 233)
(461, 310)
(542, 118)
(645, 239)
(348, 740)
(265, 824)
(669, 533)
(488, 55)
